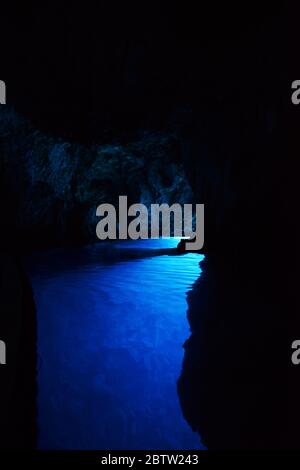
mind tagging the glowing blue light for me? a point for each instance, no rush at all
(111, 325)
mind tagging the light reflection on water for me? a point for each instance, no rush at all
(111, 325)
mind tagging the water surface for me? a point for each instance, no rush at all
(111, 325)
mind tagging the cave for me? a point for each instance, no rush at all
(165, 106)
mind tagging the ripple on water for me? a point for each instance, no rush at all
(111, 324)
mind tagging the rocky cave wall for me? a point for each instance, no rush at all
(50, 188)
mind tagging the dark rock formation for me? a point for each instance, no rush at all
(52, 188)
(18, 388)
(237, 381)
(234, 384)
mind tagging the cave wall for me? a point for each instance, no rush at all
(237, 379)
(50, 188)
(18, 383)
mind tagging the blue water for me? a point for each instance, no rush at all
(111, 325)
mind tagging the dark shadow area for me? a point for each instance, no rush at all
(238, 387)
(18, 386)
(235, 381)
